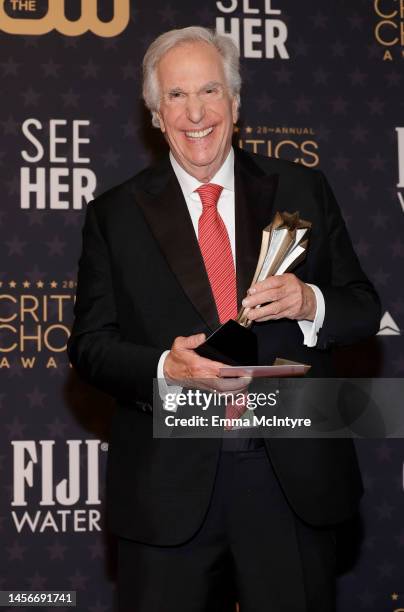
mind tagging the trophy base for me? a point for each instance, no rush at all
(232, 344)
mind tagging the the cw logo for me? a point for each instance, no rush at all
(55, 18)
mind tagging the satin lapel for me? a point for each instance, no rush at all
(255, 194)
(166, 213)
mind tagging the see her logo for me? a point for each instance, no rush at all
(55, 19)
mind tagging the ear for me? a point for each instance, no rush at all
(158, 116)
(234, 109)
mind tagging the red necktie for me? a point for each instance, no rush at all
(216, 252)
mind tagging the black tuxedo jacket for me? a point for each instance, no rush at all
(142, 282)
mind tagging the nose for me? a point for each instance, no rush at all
(195, 108)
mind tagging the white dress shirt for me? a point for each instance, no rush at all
(226, 208)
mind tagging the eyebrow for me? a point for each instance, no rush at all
(205, 86)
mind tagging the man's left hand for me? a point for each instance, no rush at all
(283, 296)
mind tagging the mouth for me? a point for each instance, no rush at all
(198, 134)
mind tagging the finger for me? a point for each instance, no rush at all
(276, 310)
(189, 342)
(263, 297)
(273, 282)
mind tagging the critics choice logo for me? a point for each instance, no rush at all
(35, 320)
(389, 28)
(255, 26)
(26, 17)
(298, 144)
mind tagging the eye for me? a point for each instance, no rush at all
(211, 90)
(175, 95)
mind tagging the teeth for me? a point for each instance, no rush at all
(200, 133)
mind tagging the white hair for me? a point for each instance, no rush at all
(222, 43)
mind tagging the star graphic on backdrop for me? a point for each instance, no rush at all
(50, 68)
(16, 551)
(370, 542)
(300, 48)
(357, 77)
(36, 398)
(78, 581)
(398, 363)
(366, 598)
(111, 158)
(385, 570)
(320, 76)
(37, 582)
(73, 220)
(341, 162)
(397, 248)
(338, 49)
(70, 42)
(394, 596)
(110, 99)
(377, 162)
(283, 75)
(398, 306)
(383, 452)
(302, 104)
(339, 105)
(130, 71)
(360, 190)
(376, 106)
(35, 217)
(10, 67)
(13, 185)
(265, 103)
(380, 220)
(55, 246)
(168, 15)
(97, 550)
(359, 133)
(31, 97)
(355, 21)
(319, 20)
(323, 133)
(374, 51)
(16, 428)
(10, 127)
(56, 551)
(111, 43)
(98, 607)
(393, 78)
(362, 248)
(70, 98)
(206, 16)
(129, 129)
(35, 274)
(90, 69)
(32, 40)
(381, 277)
(15, 246)
(400, 539)
(56, 428)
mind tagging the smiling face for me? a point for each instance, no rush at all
(197, 111)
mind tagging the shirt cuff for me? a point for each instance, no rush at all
(164, 386)
(310, 329)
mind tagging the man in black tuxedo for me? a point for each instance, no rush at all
(203, 523)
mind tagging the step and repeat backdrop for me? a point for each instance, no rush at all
(322, 86)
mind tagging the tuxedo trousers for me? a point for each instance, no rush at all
(251, 548)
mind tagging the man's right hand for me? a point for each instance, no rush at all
(183, 366)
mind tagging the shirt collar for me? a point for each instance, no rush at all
(223, 177)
